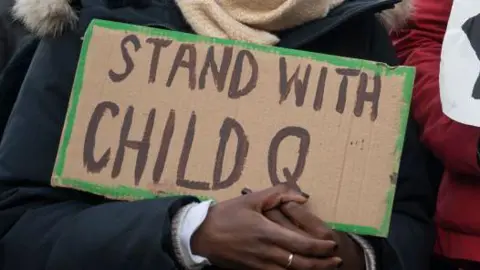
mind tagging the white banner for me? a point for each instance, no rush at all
(460, 64)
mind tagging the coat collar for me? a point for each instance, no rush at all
(49, 17)
(308, 32)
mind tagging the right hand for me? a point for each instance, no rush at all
(236, 235)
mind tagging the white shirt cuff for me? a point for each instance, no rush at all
(187, 221)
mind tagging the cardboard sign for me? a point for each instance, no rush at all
(460, 64)
(156, 113)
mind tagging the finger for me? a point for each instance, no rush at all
(272, 266)
(270, 198)
(261, 264)
(301, 263)
(298, 262)
(306, 220)
(278, 217)
(279, 256)
(296, 242)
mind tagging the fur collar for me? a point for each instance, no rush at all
(395, 18)
(51, 17)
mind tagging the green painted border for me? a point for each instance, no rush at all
(123, 192)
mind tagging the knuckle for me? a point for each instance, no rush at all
(271, 215)
(327, 235)
(311, 247)
(288, 206)
(282, 187)
(262, 234)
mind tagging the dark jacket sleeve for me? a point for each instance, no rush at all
(46, 228)
(53, 229)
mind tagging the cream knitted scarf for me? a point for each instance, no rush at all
(251, 20)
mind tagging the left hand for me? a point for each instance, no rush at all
(298, 218)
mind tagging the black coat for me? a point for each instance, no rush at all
(12, 36)
(11, 33)
(56, 229)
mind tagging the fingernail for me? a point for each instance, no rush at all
(333, 244)
(246, 191)
(339, 262)
(305, 195)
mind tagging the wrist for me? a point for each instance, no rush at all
(351, 252)
(185, 224)
(196, 243)
(200, 244)
(368, 251)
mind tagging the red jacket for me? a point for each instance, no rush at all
(455, 144)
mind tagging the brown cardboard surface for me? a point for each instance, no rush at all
(155, 112)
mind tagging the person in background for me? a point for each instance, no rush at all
(455, 144)
(51, 228)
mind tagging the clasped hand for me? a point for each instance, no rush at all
(262, 230)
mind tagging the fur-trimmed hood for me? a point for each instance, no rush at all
(51, 17)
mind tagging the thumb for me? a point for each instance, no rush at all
(273, 197)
